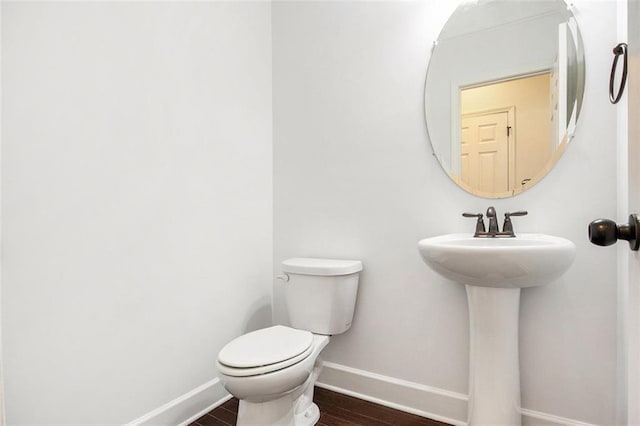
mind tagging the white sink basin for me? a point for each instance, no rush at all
(493, 271)
(527, 260)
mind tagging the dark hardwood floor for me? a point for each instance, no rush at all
(335, 410)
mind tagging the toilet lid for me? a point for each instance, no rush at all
(264, 347)
(322, 267)
(264, 369)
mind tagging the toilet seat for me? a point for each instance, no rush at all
(264, 351)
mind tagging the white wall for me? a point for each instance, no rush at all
(354, 178)
(136, 201)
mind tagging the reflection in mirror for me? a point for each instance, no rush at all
(503, 93)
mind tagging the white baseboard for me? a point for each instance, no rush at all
(426, 401)
(186, 408)
(536, 418)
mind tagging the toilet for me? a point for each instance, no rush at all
(273, 371)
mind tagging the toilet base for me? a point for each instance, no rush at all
(276, 413)
(309, 417)
(293, 409)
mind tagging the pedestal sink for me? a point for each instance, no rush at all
(493, 271)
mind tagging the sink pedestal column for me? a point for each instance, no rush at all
(494, 372)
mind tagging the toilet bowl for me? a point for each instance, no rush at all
(274, 391)
(273, 371)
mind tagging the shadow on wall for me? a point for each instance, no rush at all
(259, 315)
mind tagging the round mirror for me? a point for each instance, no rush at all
(503, 93)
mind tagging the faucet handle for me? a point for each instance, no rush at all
(507, 227)
(479, 223)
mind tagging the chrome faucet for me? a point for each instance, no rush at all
(494, 231)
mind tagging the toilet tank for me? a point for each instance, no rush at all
(321, 293)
